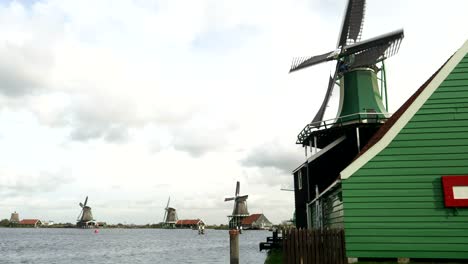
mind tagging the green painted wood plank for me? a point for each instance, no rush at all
(336, 219)
(461, 68)
(444, 101)
(416, 164)
(443, 104)
(432, 133)
(440, 124)
(394, 205)
(406, 225)
(392, 186)
(417, 219)
(441, 232)
(401, 178)
(458, 76)
(444, 110)
(447, 156)
(408, 253)
(409, 246)
(380, 179)
(422, 240)
(427, 143)
(462, 64)
(402, 212)
(449, 95)
(365, 199)
(424, 150)
(440, 117)
(411, 171)
(432, 130)
(401, 193)
(448, 82)
(443, 89)
(334, 214)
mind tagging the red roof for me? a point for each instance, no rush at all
(29, 221)
(250, 219)
(188, 222)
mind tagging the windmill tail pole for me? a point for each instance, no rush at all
(234, 246)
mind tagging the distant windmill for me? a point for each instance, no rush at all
(85, 218)
(240, 208)
(170, 216)
(14, 219)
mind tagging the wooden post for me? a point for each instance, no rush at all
(234, 246)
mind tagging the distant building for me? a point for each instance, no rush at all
(30, 222)
(14, 219)
(256, 221)
(189, 223)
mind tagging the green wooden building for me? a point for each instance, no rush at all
(391, 199)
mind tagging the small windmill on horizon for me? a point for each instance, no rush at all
(170, 216)
(240, 208)
(85, 218)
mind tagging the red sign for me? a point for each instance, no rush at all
(455, 190)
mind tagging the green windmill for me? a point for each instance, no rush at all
(336, 142)
(358, 64)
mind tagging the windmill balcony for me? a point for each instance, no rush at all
(353, 120)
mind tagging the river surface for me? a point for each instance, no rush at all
(69, 246)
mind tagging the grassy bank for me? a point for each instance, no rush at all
(274, 256)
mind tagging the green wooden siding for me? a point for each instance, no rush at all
(332, 206)
(394, 205)
(330, 214)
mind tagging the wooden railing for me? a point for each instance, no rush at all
(306, 246)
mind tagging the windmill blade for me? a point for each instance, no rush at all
(229, 199)
(371, 56)
(79, 215)
(86, 201)
(304, 62)
(164, 217)
(81, 205)
(168, 200)
(237, 188)
(353, 20)
(241, 198)
(321, 112)
(392, 39)
(375, 54)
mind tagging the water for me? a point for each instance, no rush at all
(69, 246)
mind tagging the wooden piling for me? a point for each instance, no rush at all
(234, 246)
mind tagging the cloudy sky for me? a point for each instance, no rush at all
(133, 101)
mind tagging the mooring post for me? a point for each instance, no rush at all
(234, 246)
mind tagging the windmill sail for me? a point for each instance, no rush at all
(393, 38)
(321, 112)
(353, 21)
(304, 62)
